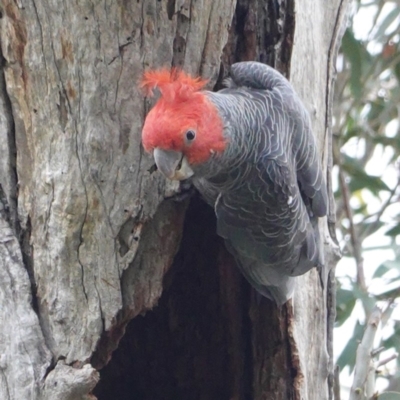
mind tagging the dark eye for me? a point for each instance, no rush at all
(190, 135)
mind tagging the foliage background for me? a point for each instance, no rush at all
(367, 181)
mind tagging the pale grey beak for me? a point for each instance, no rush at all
(173, 164)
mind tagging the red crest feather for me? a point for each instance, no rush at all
(174, 84)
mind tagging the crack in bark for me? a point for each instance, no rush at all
(41, 37)
(206, 41)
(78, 249)
(100, 305)
(50, 368)
(23, 235)
(287, 37)
(76, 128)
(86, 209)
(141, 32)
(97, 19)
(261, 32)
(6, 383)
(12, 152)
(120, 55)
(79, 90)
(13, 255)
(180, 40)
(170, 9)
(4, 208)
(104, 204)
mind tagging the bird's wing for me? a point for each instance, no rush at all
(258, 76)
(266, 220)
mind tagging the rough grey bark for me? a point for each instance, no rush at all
(314, 312)
(86, 235)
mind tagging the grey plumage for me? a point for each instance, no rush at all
(267, 187)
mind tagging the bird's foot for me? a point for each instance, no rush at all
(186, 190)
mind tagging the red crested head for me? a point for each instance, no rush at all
(183, 119)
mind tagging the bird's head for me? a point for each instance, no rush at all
(184, 128)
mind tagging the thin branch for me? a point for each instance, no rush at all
(377, 351)
(379, 214)
(363, 374)
(373, 248)
(387, 360)
(353, 234)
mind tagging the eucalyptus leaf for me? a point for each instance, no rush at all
(397, 71)
(389, 396)
(389, 294)
(368, 228)
(363, 181)
(359, 179)
(348, 355)
(358, 57)
(345, 302)
(381, 271)
(394, 231)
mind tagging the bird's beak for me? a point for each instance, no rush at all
(173, 164)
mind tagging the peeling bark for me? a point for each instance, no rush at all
(88, 241)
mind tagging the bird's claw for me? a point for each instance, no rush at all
(186, 190)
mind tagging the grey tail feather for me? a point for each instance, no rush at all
(271, 284)
(277, 294)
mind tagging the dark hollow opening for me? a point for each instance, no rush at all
(196, 344)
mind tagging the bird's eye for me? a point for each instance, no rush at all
(190, 135)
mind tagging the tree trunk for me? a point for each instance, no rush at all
(90, 241)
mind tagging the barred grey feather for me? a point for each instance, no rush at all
(267, 188)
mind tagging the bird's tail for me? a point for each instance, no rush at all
(322, 268)
(268, 281)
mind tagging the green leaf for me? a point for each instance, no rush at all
(397, 71)
(394, 231)
(393, 341)
(355, 131)
(376, 109)
(367, 300)
(393, 280)
(389, 294)
(368, 228)
(359, 179)
(362, 209)
(367, 101)
(389, 396)
(380, 271)
(391, 264)
(388, 141)
(358, 57)
(348, 355)
(345, 302)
